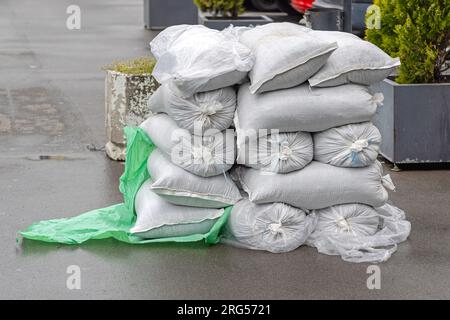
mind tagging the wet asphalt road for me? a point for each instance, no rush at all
(52, 103)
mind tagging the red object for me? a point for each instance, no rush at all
(302, 5)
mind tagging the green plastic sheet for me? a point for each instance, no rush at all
(115, 221)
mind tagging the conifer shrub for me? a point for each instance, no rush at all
(417, 31)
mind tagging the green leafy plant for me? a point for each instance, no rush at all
(417, 31)
(142, 65)
(221, 8)
(384, 36)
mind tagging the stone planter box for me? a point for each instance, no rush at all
(126, 99)
(414, 122)
(221, 23)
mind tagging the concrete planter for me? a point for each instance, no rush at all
(221, 23)
(126, 99)
(414, 122)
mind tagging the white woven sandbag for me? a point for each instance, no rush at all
(274, 227)
(352, 145)
(279, 152)
(181, 187)
(354, 61)
(164, 40)
(157, 218)
(286, 55)
(203, 111)
(359, 233)
(304, 109)
(194, 58)
(204, 156)
(316, 186)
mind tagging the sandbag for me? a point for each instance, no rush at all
(354, 61)
(279, 152)
(202, 111)
(304, 109)
(181, 187)
(285, 55)
(204, 156)
(274, 227)
(194, 58)
(157, 218)
(352, 145)
(316, 186)
(359, 233)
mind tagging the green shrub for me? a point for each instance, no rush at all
(224, 8)
(418, 31)
(142, 65)
(385, 37)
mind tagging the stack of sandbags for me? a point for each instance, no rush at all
(306, 148)
(303, 153)
(193, 109)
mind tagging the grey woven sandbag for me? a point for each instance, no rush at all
(157, 218)
(198, 113)
(286, 55)
(279, 152)
(354, 61)
(359, 233)
(316, 186)
(352, 145)
(181, 187)
(194, 58)
(304, 109)
(204, 156)
(274, 227)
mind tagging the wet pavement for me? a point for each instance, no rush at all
(52, 166)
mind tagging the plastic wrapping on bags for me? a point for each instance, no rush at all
(157, 218)
(353, 145)
(354, 61)
(117, 220)
(316, 186)
(359, 233)
(286, 55)
(274, 227)
(279, 153)
(194, 58)
(181, 187)
(204, 156)
(304, 109)
(202, 111)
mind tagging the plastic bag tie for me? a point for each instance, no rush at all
(343, 224)
(285, 152)
(275, 227)
(359, 145)
(388, 183)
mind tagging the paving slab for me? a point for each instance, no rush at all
(51, 123)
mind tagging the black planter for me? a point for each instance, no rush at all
(221, 23)
(414, 122)
(325, 19)
(159, 14)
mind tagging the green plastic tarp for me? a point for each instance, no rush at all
(115, 221)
